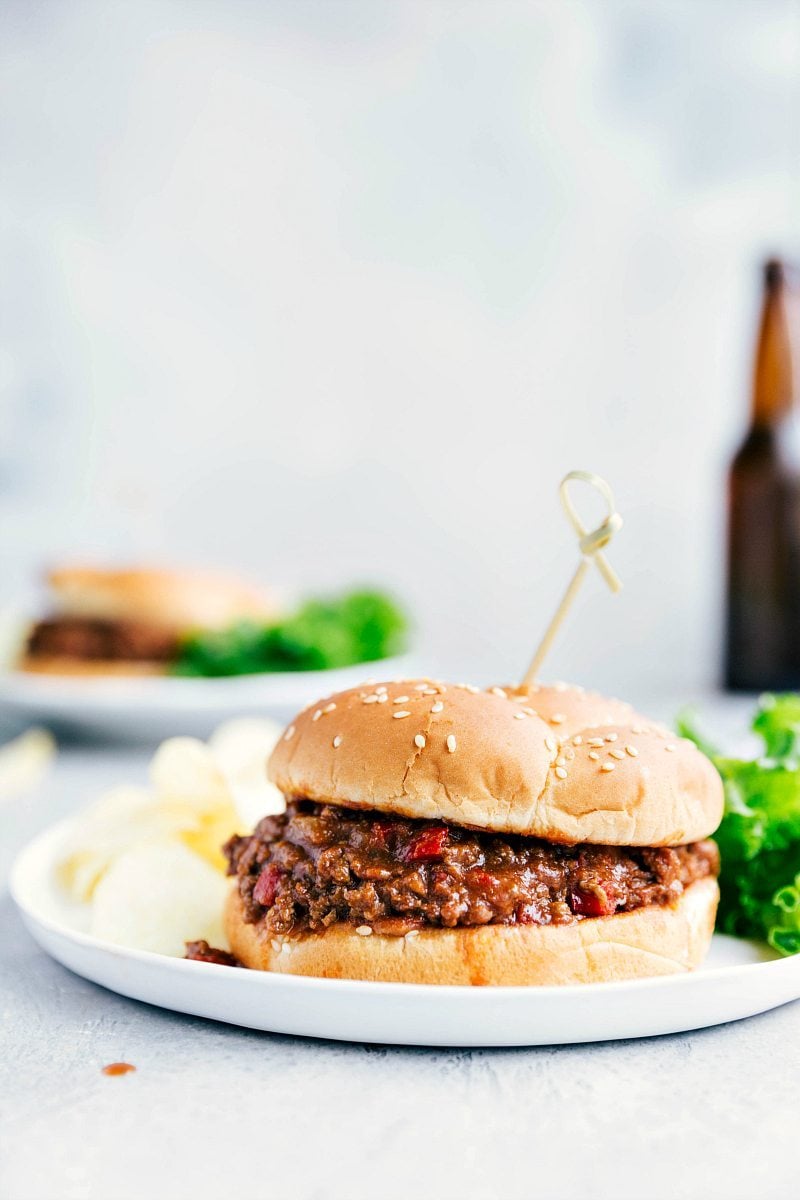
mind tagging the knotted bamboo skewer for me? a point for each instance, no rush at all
(591, 544)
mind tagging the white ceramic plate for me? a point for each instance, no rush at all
(157, 706)
(738, 980)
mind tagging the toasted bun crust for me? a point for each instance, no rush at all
(55, 665)
(649, 941)
(171, 600)
(591, 771)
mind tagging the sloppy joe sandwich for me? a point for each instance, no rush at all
(132, 621)
(436, 833)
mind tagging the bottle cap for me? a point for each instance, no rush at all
(773, 273)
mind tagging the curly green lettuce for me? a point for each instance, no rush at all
(759, 838)
(340, 631)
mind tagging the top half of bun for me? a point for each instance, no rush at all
(171, 600)
(553, 762)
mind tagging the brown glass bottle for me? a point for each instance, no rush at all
(762, 647)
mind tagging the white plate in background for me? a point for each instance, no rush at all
(164, 705)
(739, 979)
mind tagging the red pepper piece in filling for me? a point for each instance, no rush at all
(593, 900)
(267, 885)
(427, 845)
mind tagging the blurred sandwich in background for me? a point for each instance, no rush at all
(133, 621)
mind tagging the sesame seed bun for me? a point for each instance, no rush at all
(553, 763)
(169, 600)
(656, 940)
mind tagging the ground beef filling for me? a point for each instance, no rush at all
(202, 952)
(85, 638)
(317, 865)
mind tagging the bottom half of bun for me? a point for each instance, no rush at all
(657, 940)
(62, 665)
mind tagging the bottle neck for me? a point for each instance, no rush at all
(774, 393)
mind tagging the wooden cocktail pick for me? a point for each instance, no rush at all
(591, 543)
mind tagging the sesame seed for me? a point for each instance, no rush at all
(381, 688)
(317, 715)
(431, 692)
(520, 716)
(337, 741)
(638, 729)
(551, 744)
(289, 734)
(364, 930)
(419, 741)
(670, 746)
(401, 700)
(420, 687)
(597, 742)
(607, 766)
(561, 773)
(594, 755)
(611, 737)
(498, 691)
(285, 948)
(373, 699)
(470, 687)
(557, 719)
(561, 761)
(577, 741)
(412, 933)
(451, 743)
(617, 754)
(329, 707)
(437, 707)
(634, 753)
(382, 698)
(403, 713)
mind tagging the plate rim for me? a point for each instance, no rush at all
(12, 677)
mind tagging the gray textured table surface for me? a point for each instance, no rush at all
(213, 1110)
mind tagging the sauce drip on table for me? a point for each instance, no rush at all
(118, 1068)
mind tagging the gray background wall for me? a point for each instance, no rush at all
(339, 290)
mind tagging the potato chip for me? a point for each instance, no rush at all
(185, 768)
(191, 786)
(157, 897)
(124, 817)
(240, 748)
(149, 860)
(24, 761)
